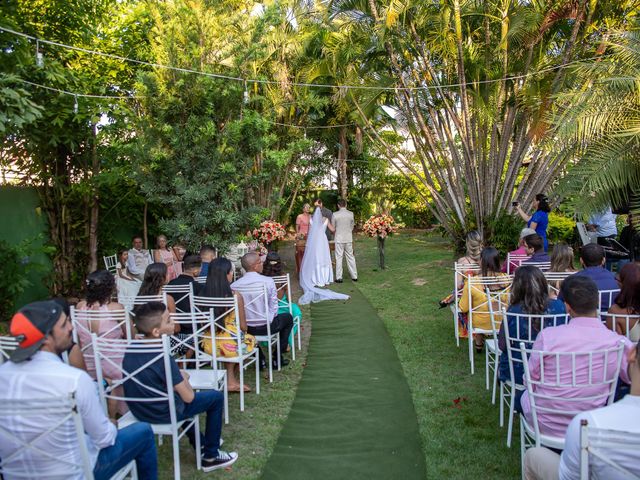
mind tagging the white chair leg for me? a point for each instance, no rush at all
(495, 378)
(241, 373)
(292, 344)
(279, 353)
(197, 433)
(512, 412)
(299, 334)
(270, 360)
(522, 450)
(501, 404)
(176, 455)
(257, 364)
(225, 392)
(486, 366)
(471, 352)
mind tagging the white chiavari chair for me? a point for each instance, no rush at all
(606, 299)
(110, 263)
(283, 284)
(514, 261)
(624, 324)
(555, 279)
(558, 371)
(460, 276)
(7, 345)
(180, 293)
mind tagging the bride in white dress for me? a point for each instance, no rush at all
(316, 269)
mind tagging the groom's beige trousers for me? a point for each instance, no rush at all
(345, 249)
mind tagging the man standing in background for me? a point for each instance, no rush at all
(344, 223)
(326, 213)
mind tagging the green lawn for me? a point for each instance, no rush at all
(461, 441)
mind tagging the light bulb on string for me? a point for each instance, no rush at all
(245, 96)
(39, 56)
(75, 104)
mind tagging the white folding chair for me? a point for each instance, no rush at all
(105, 349)
(283, 283)
(130, 302)
(7, 345)
(543, 266)
(497, 305)
(227, 306)
(110, 263)
(558, 371)
(500, 286)
(527, 327)
(606, 299)
(461, 274)
(201, 280)
(605, 444)
(202, 367)
(179, 294)
(254, 295)
(553, 278)
(514, 261)
(21, 451)
(629, 331)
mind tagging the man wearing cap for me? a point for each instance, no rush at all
(521, 250)
(35, 370)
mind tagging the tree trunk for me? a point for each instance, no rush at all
(343, 149)
(381, 252)
(144, 225)
(95, 204)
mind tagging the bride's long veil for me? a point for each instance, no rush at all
(317, 258)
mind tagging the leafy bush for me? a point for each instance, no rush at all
(503, 232)
(16, 265)
(561, 229)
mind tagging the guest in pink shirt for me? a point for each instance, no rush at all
(521, 250)
(584, 333)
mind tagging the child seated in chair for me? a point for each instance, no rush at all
(153, 320)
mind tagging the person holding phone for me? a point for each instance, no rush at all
(539, 221)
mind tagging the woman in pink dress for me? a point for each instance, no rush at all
(302, 230)
(166, 255)
(101, 286)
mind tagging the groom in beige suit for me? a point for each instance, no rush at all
(343, 223)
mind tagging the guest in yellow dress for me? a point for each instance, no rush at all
(218, 286)
(489, 268)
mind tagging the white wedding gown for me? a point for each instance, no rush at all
(316, 269)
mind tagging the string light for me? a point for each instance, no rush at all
(39, 55)
(297, 84)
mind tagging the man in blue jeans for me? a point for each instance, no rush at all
(35, 370)
(153, 320)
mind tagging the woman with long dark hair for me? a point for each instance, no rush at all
(100, 288)
(218, 285)
(539, 221)
(155, 277)
(489, 268)
(529, 294)
(627, 302)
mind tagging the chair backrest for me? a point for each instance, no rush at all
(461, 274)
(605, 444)
(110, 263)
(544, 266)
(219, 308)
(514, 261)
(283, 284)
(202, 279)
(21, 452)
(556, 278)
(86, 322)
(627, 322)
(559, 371)
(256, 304)
(130, 302)
(180, 293)
(606, 299)
(499, 286)
(105, 349)
(200, 325)
(7, 345)
(527, 327)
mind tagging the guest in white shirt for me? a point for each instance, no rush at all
(542, 463)
(254, 310)
(139, 259)
(35, 370)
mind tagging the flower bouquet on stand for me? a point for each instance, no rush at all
(268, 234)
(380, 226)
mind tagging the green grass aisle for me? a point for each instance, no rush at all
(353, 416)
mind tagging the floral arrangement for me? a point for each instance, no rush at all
(268, 232)
(380, 225)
